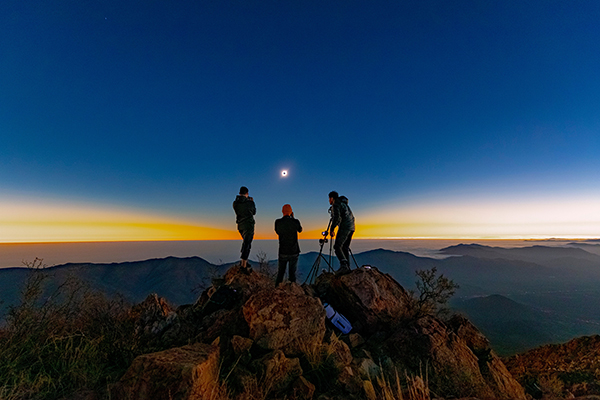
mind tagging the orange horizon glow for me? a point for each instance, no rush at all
(526, 219)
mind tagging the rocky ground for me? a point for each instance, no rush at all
(247, 339)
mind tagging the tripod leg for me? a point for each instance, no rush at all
(352, 254)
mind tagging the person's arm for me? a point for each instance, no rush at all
(299, 228)
(335, 218)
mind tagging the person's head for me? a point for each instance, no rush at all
(333, 196)
(244, 191)
(286, 209)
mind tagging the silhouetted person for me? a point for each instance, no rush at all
(287, 228)
(244, 217)
(341, 217)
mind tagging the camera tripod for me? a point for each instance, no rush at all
(314, 271)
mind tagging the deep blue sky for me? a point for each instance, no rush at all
(168, 107)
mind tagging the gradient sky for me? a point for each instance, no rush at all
(138, 120)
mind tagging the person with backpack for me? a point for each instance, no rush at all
(341, 217)
(245, 209)
(287, 229)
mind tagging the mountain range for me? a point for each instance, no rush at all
(519, 297)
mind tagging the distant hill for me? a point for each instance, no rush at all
(475, 275)
(536, 254)
(513, 327)
(589, 247)
(177, 279)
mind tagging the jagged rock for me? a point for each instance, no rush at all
(240, 345)
(223, 323)
(277, 372)
(182, 373)
(372, 301)
(367, 368)
(153, 316)
(492, 368)
(340, 354)
(247, 284)
(469, 333)
(302, 389)
(289, 322)
(285, 318)
(355, 340)
(458, 370)
(350, 382)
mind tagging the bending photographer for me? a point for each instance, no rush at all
(244, 217)
(341, 217)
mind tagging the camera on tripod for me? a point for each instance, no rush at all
(323, 240)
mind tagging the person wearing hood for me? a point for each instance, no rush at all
(341, 217)
(244, 217)
(287, 229)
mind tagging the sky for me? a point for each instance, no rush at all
(140, 120)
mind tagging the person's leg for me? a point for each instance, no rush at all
(247, 235)
(340, 240)
(293, 265)
(346, 248)
(281, 264)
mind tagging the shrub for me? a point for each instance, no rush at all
(63, 339)
(433, 294)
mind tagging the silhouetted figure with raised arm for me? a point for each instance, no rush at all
(244, 217)
(341, 217)
(287, 229)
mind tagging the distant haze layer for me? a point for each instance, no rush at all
(214, 251)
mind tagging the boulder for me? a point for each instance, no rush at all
(302, 389)
(218, 310)
(355, 340)
(350, 381)
(457, 370)
(286, 319)
(277, 372)
(247, 284)
(339, 352)
(371, 300)
(153, 316)
(240, 345)
(182, 373)
(492, 368)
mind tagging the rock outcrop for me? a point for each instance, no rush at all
(285, 318)
(275, 342)
(372, 301)
(182, 373)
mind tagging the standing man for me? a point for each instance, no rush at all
(341, 216)
(244, 217)
(287, 228)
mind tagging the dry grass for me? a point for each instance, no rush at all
(62, 340)
(390, 387)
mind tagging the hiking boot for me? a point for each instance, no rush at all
(343, 270)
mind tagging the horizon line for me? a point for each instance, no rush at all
(532, 239)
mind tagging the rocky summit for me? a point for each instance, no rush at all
(244, 338)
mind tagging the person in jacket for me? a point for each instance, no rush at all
(343, 219)
(287, 229)
(244, 217)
